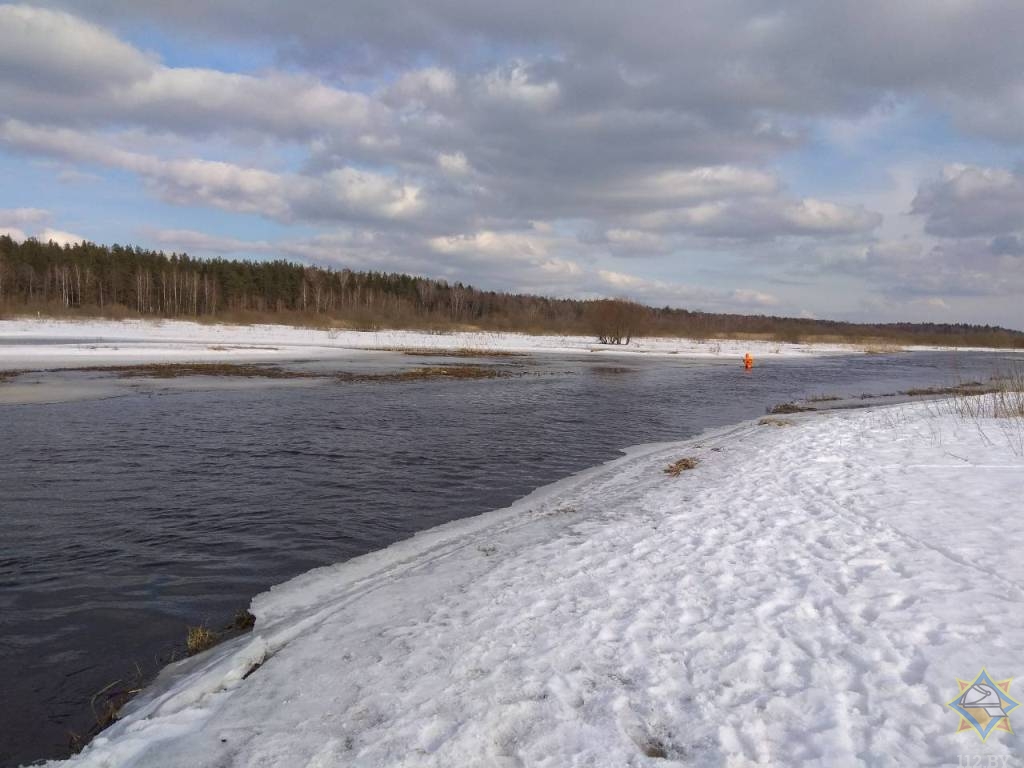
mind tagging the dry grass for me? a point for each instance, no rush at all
(964, 389)
(768, 421)
(676, 468)
(6, 376)
(998, 404)
(1001, 398)
(431, 372)
(423, 352)
(178, 370)
(881, 349)
(106, 705)
(246, 370)
(783, 408)
(199, 639)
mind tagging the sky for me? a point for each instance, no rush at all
(855, 160)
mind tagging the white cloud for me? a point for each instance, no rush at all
(101, 79)
(635, 241)
(707, 183)
(513, 84)
(423, 86)
(336, 194)
(487, 244)
(969, 200)
(763, 218)
(16, 223)
(63, 53)
(21, 223)
(750, 298)
(453, 163)
(59, 236)
(23, 216)
(658, 292)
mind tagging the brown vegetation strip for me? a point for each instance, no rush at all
(176, 370)
(431, 372)
(788, 408)
(967, 388)
(422, 352)
(179, 370)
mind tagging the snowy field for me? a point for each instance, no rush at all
(108, 342)
(809, 594)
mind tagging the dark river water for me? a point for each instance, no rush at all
(124, 520)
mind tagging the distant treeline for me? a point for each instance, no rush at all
(120, 281)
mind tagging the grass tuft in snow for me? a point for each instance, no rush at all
(768, 421)
(676, 468)
(199, 639)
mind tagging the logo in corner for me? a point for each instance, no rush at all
(984, 705)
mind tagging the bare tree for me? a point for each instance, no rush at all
(617, 321)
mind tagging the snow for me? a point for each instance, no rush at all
(807, 595)
(109, 342)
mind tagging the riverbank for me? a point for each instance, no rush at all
(808, 593)
(49, 343)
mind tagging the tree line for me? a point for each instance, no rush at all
(125, 281)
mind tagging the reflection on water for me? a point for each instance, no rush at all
(126, 518)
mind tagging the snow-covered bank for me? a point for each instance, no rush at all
(807, 595)
(106, 342)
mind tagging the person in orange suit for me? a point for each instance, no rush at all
(748, 361)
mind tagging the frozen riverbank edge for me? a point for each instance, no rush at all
(808, 594)
(50, 343)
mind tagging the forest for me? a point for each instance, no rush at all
(122, 281)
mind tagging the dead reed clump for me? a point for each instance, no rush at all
(768, 421)
(676, 468)
(106, 705)
(1000, 402)
(199, 639)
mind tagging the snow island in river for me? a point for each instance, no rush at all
(809, 593)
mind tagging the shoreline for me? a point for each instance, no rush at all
(52, 344)
(698, 605)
